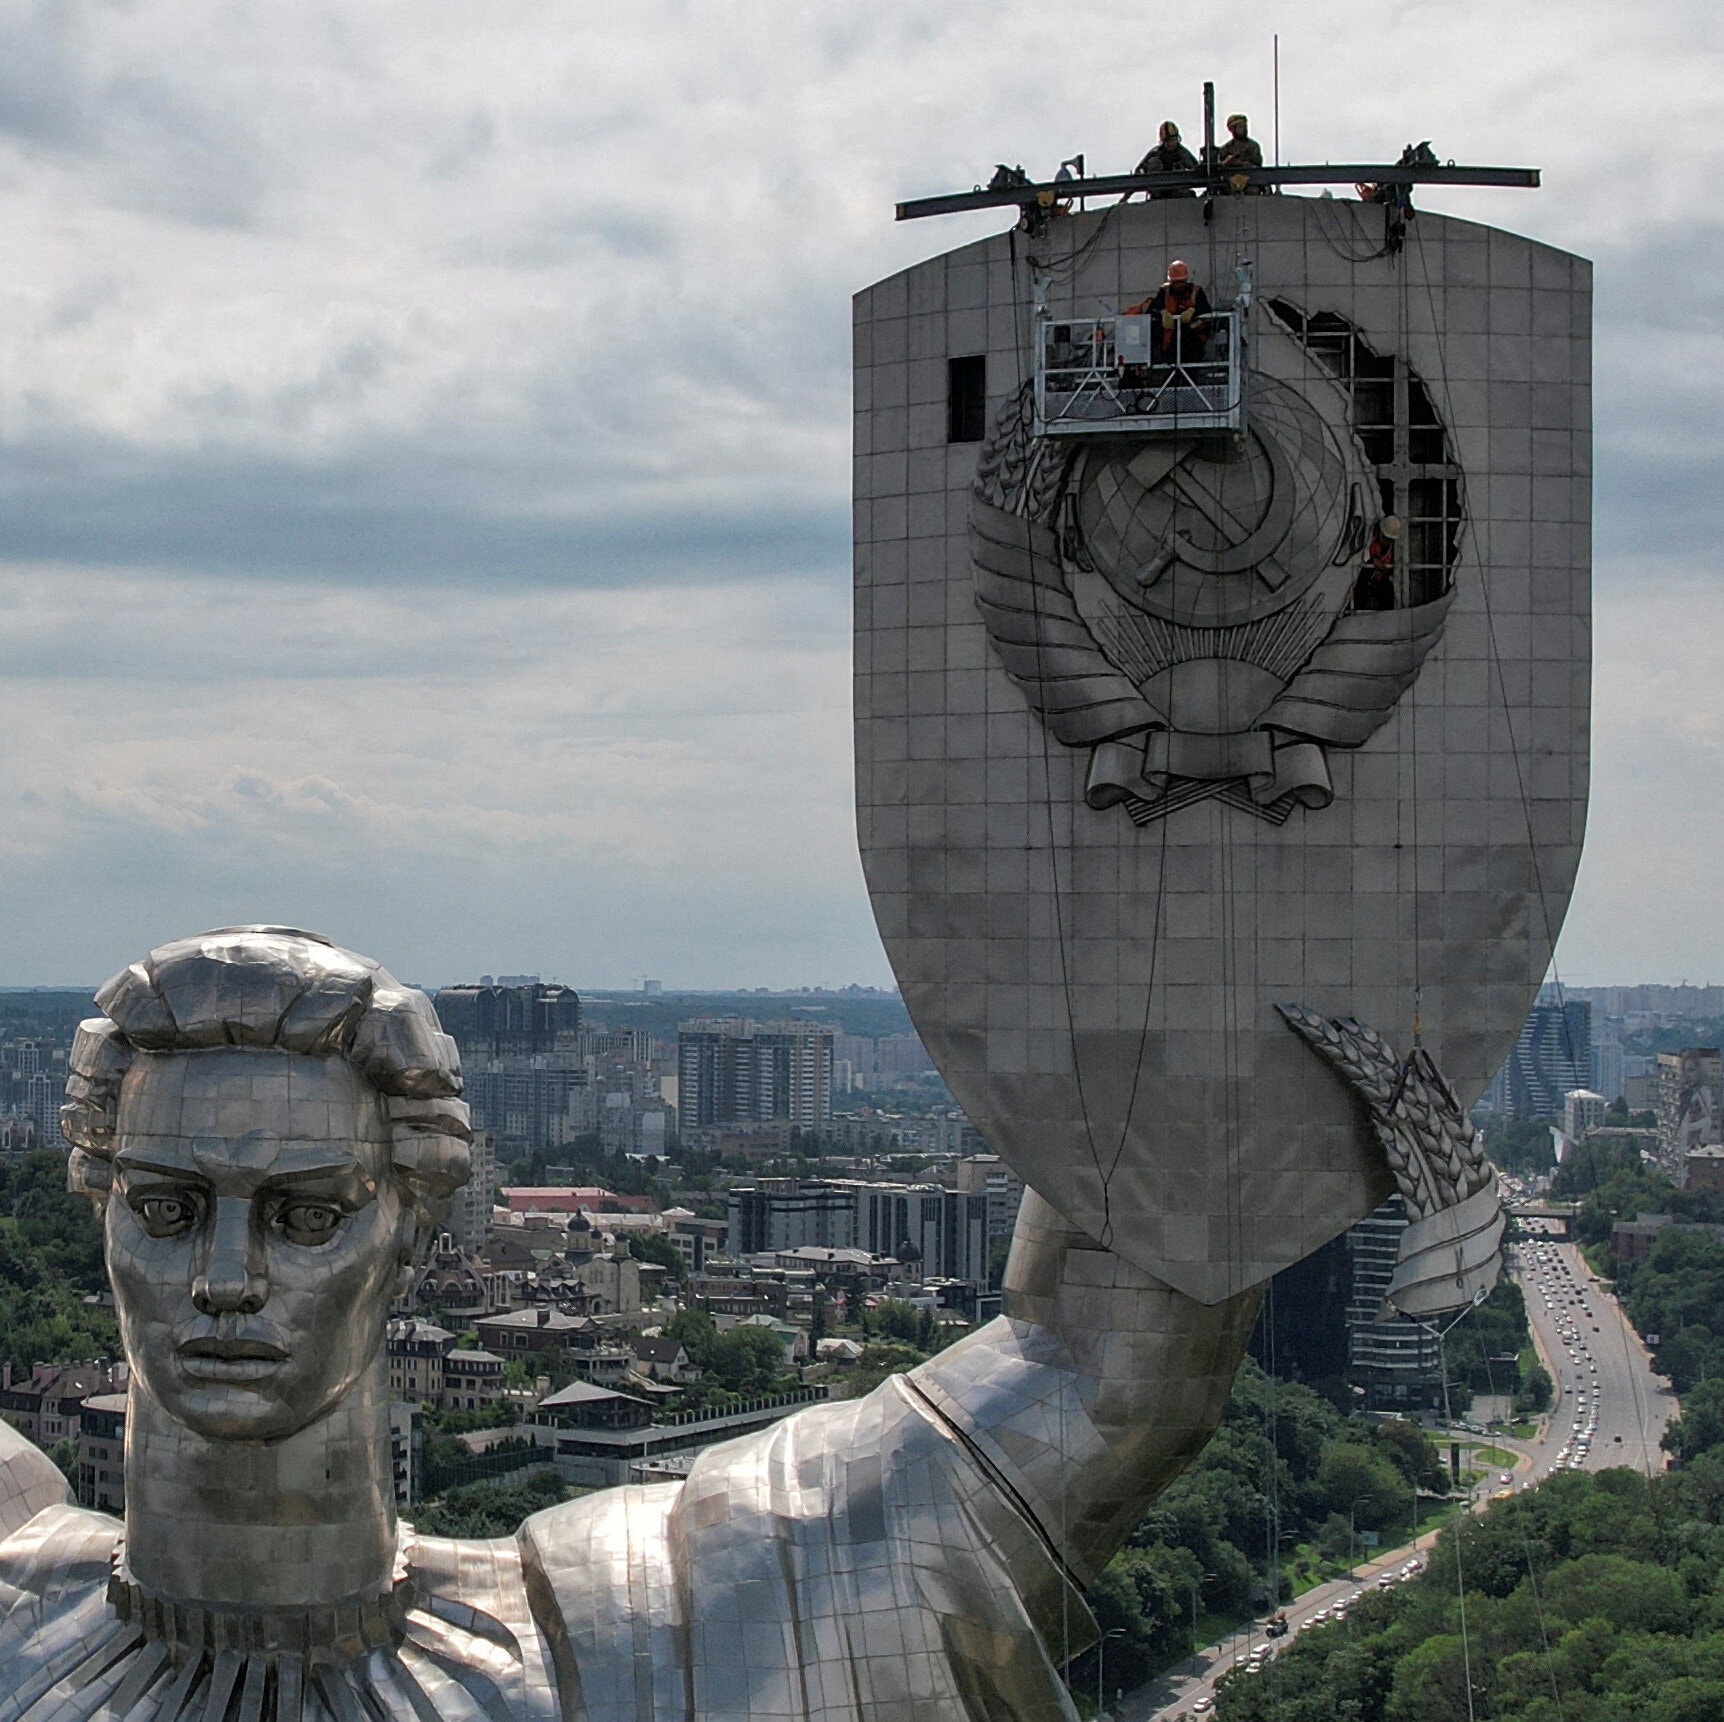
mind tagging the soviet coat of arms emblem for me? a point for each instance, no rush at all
(1219, 832)
(1184, 607)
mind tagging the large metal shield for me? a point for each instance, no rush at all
(1145, 775)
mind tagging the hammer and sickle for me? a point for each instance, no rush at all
(1163, 463)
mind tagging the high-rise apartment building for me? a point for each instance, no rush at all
(945, 1231)
(631, 1045)
(1609, 1068)
(470, 1213)
(1552, 1055)
(1396, 1362)
(1690, 1101)
(986, 1174)
(733, 1071)
(787, 1213)
(43, 1094)
(541, 1102)
(524, 1020)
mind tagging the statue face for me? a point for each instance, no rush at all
(255, 1235)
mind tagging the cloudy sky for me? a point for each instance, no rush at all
(424, 441)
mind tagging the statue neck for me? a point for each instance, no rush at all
(305, 1522)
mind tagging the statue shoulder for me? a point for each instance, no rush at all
(29, 1481)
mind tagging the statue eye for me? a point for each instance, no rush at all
(166, 1216)
(309, 1222)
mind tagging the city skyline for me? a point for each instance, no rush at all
(358, 574)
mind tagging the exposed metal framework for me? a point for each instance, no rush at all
(1048, 193)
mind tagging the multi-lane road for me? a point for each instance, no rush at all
(1604, 1377)
(1609, 1409)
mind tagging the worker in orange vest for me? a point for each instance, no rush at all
(1375, 587)
(1180, 308)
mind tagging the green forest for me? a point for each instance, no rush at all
(1595, 1597)
(50, 1263)
(1286, 1471)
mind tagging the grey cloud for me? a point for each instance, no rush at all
(213, 632)
(468, 143)
(400, 383)
(42, 79)
(386, 520)
(571, 234)
(156, 145)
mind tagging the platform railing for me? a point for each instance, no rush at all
(1113, 375)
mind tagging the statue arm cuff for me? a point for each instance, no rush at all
(1093, 1392)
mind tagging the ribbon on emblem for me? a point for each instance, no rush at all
(1273, 766)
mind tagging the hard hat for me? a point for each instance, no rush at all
(1168, 128)
(1391, 526)
(1178, 270)
(1236, 120)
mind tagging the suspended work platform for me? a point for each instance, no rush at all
(1112, 375)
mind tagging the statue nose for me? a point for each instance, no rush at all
(230, 1283)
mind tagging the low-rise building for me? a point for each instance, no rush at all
(838, 1267)
(1582, 1111)
(535, 1330)
(472, 1380)
(695, 1238)
(612, 1284)
(416, 1350)
(451, 1280)
(793, 1339)
(1703, 1168)
(1632, 1240)
(734, 1295)
(576, 1342)
(45, 1404)
(102, 1453)
(572, 1199)
(597, 1441)
(661, 1359)
(581, 1405)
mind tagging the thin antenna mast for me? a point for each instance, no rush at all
(1277, 98)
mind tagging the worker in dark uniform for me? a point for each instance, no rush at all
(1375, 587)
(1240, 153)
(1169, 156)
(1181, 309)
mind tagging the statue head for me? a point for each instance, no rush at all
(271, 1129)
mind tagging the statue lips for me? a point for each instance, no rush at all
(231, 1360)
